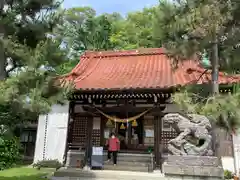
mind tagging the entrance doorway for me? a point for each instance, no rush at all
(131, 137)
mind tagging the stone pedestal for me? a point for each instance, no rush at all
(193, 167)
(74, 158)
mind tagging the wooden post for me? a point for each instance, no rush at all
(102, 128)
(89, 140)
(160, 126)
(158, 141)
(129, 125)
(129, 130)
(69, 131)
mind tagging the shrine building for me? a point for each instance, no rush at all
(126, 92)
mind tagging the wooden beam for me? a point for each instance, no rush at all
(127, 91)
(126, 94)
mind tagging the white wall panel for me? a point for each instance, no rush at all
(55, 141)
(39, 148)
(236, 150)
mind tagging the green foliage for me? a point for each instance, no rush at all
(26, 173)
(11, 116)
(81, 30)
(48, 164)
(31, 60)
(135, 31)
(187, 28)
(221, 109)
(41, 41)
(9, 152)
(228, 174)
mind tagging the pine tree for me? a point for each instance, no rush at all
(188, 28)
(191, 29)
(28, 58)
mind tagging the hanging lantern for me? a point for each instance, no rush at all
(134, 123)
(122, 126)
(109, 123)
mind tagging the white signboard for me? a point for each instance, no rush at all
(106, 133)
(97, 151)
(149, 133)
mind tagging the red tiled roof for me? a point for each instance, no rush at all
(145, 68)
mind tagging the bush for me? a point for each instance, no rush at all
(228, 174)
(48, 164)
(9, 152)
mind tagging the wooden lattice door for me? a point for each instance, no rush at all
(79, 131)
(168, 133)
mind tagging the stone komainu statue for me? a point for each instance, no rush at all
(194, 134)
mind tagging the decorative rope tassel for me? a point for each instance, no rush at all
(122, 126)
(134, 123)
(109, 123)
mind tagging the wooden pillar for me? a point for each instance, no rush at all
(158, 141)
(129, 132)
(69, 130)
(160, 126)
(129, 125)
(102, 128)
(89, 140)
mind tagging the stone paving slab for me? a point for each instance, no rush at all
(123, 175)
(83, 178)
(119, 178)
(111, 175)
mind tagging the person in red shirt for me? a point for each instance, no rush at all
(113, 147)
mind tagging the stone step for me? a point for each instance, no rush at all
(133, 157)
(66, 174)
(128, 163)
(126, 160)
(119, 167)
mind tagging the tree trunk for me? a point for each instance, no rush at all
(2, 53)
(2, 62)
(215, 67)
(215, 87)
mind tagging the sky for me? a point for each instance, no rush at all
(109, 6)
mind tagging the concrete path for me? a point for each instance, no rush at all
(116, 175)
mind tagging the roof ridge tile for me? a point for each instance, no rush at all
(117, 53)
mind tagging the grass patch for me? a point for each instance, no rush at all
(25, 173)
